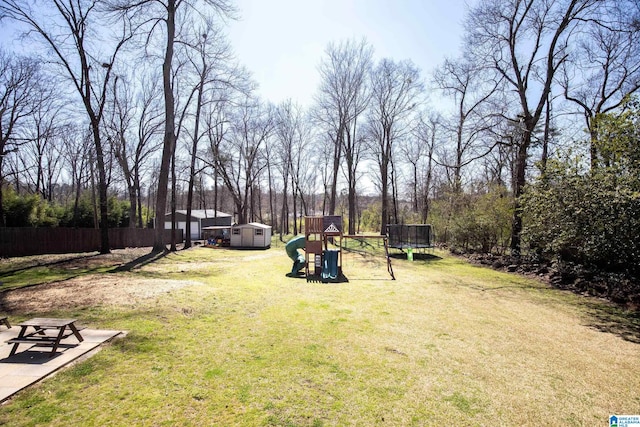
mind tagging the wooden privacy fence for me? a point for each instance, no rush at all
(23, 241)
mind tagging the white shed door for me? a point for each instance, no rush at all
(247, 237)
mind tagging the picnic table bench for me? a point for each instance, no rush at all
(40, 337)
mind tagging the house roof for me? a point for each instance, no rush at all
(202, 213)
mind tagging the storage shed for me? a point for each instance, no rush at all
(252, 235)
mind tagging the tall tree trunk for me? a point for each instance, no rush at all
(394, 194)
(352, 207)
(593, 145)
(284, 216)
(3, 221)
(94, 207)
(192, 166)
(215, 191)
(384, 181)
(519, 183)
(414, 188)
(294, 207)
(136, 181)
(547, 136)
(337, 150)
(351, 182)
(272, 212)
(427, 187)
(173, 247)
(169, 131)
(260, 203)
(132, 206)
(102, 189)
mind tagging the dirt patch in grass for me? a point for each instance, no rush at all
(84, 290)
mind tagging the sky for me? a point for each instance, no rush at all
(283, 41)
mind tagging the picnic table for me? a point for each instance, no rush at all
(39, 337)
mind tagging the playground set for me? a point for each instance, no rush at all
(321, 262)
(323, 245)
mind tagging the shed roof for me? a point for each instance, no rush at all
(252, 225)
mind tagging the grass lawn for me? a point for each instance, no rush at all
(447, 343)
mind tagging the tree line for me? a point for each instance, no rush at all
(144, 102)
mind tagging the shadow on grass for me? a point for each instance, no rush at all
(417, 256)
(46, 264)
(600, 315)
(613, 320)
(140, 262)
(314, 278)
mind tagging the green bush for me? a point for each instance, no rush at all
(370, 218)
(482, 221)
(592, 217)
(30, 210)
(587, 218)
(19, 210)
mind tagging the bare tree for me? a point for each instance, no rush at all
(68, 29)
(120, 122)
(133, 125)
(396, 90)
(19, 98)
(156, 13)
(202, 67)
(326, 147)
(76, 154)
(286, 122)
(343, 98)
(525, 42)
(216, 126)
(418, 152)
(269, 152)
(472, 90)
(605, 66)
(305, 164)
(41, 156)
(236, 153)
(148, 129)
(295, 159)
(215, 76)
(498, 165)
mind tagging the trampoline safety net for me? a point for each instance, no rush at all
(403, 236)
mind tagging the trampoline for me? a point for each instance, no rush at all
(415, 236)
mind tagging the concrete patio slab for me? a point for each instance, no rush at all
(32, 363)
